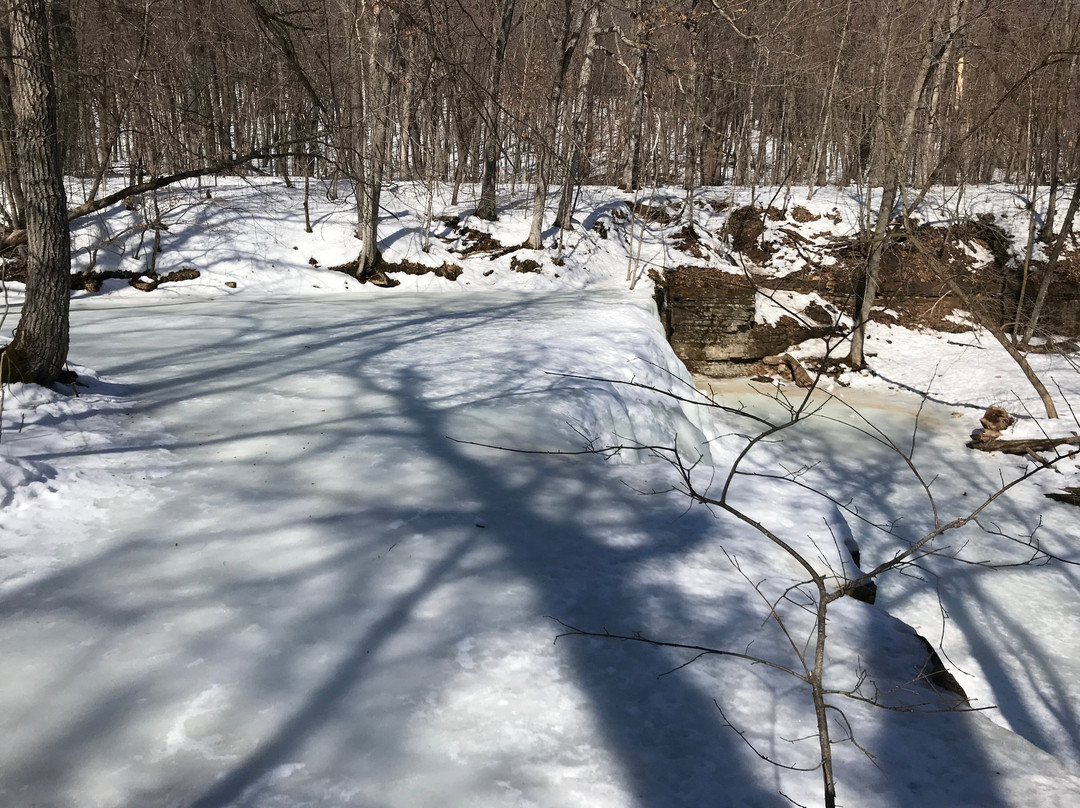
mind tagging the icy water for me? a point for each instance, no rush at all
(1005, 623)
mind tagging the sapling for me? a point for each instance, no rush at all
(801, 612)
(821, 588)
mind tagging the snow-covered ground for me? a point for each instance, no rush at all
(260, 561)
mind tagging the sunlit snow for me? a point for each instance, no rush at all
(267, 557)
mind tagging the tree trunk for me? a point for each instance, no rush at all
(866, 294)
(374, 148)
(817, 173)
(695, 125)
(896, 163)
(576, 135)
(14, 205)
(630, 173)
(1051, 264)
(571, 32)
(486, 208)
(39, 350)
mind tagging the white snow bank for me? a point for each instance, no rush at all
(335, 598)
(770, 307)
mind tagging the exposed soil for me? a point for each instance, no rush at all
(715, 205)
(379, 275)
(376, 276)
(705, 277)
(709, 314)
(911, 291)
(818, 314)
(524, 265)
(445, 270)
(1068, 266)
(688, 241)
(13, 268)
(657, 214)
(474, 241)
(746, 227)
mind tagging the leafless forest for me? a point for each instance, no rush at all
(628, 93)
(539, 96)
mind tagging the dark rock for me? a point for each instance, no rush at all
(1070, 495)
(709, 318)
(996, 419)
(936, 674)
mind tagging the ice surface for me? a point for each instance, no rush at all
(261, 561)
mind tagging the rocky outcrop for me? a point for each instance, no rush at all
(710, 313)
(709, 318)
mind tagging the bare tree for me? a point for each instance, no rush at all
(39, 350)
(504, 22)
(896, 147)
(571, 24)
(575, 135)
(376, 129)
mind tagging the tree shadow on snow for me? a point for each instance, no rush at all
(341, 607)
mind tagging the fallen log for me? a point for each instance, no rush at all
(15, 238)
(1070, 496)
(1023, 446)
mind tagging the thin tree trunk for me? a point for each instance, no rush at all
(817, 175)
(576, 134)
(896, 168)
(1051, 264)
(9, 161)
(486, 207)
(376, 144)
(630, 174)
(866, 294)
(309, 161)
(695, 124)
(573, 22)
(946, 277)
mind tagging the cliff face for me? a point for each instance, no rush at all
(710, 318)
(715, 321)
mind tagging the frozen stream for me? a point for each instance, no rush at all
(315, 598)
(1008, 629)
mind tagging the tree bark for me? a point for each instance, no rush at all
(374, 146)
(630, 170)
(576, 134)
(866, 294)
(39, 350)
(14, 205)
(486, 207)
(896, 162)
(572, 23)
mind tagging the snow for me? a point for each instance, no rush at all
(773, 306)
(265, 558)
